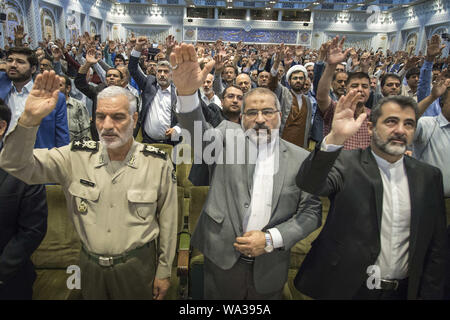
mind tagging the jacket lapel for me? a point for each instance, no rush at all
(371, 168)
(413, 180)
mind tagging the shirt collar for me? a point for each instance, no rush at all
(443, 122)
(386, 165)
(26, 89)
(168, 89)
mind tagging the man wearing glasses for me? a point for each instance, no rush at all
(254, 213)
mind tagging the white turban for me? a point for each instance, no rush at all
(296, 68)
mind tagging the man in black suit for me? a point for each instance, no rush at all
(23, 224)
(384, 237)
(157, 117)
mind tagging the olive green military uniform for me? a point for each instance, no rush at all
(117, 208)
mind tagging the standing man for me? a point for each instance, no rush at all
(23, 224)
(15, 86)
(121, 195)
(356, 80)
(207, 94)
(253, 214)
(77, 113)
(384, 237)
(157, 118)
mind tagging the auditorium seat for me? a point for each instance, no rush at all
(59, 249)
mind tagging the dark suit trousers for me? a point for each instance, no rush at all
(233, 284)
(20, 286)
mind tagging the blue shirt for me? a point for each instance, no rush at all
(424, 89)
(432, 145)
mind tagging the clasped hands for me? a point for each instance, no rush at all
(251, 244)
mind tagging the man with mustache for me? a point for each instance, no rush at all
(384, 238)
(157, 118)
(252, 215)
(15, 86)
(207, 94)
(121, 194)
(356, 80)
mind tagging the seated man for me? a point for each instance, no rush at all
(23, 224)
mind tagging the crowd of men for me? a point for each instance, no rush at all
(370, 130)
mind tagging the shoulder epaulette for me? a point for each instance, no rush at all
(85, 145)
(151, 150)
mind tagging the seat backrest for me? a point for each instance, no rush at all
(61, 245)
(197, 200)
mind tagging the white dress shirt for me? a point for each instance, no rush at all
(215, 99)
(395, 221)
(159, 118)
(16, 103)
(395, 218)
(260, 209)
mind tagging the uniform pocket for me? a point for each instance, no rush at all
(86, 201)
(143, 203)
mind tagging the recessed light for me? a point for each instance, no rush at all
(316, 3)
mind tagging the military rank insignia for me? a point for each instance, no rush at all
(151, 150)
(82, 206)
(85, 145)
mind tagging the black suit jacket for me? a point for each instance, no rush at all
(148, 87)
(336, 265)
(23, 224)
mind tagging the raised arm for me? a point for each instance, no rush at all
(80, 80)
(133, 65)
(335, 55)
(318, 175)
(18, 156)
(188, 78)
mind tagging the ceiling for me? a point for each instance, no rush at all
(316, 5)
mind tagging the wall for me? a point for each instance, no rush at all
(405, 28)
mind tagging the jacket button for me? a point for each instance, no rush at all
(246, 205)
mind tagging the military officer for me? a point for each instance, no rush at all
(121, 194)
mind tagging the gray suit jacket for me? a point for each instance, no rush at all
(294, 213)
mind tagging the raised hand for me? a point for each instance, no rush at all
(187, 75)
(141, 42)
(335, 52)
(219, 60)
(440, 86)
(412, 62)
(18, 32)
(92, 57)
(41, 100)
(344, 124)
(434, 47)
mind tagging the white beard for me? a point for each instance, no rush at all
(119, 141)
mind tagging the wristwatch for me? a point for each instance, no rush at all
(269, 245)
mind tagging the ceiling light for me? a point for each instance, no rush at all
(360, 4)
(405, 6)
(316, 3)
(268, 8)
(306, 9)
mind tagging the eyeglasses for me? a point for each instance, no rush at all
(268, 114)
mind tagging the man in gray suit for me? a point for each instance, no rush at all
(254, 213)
